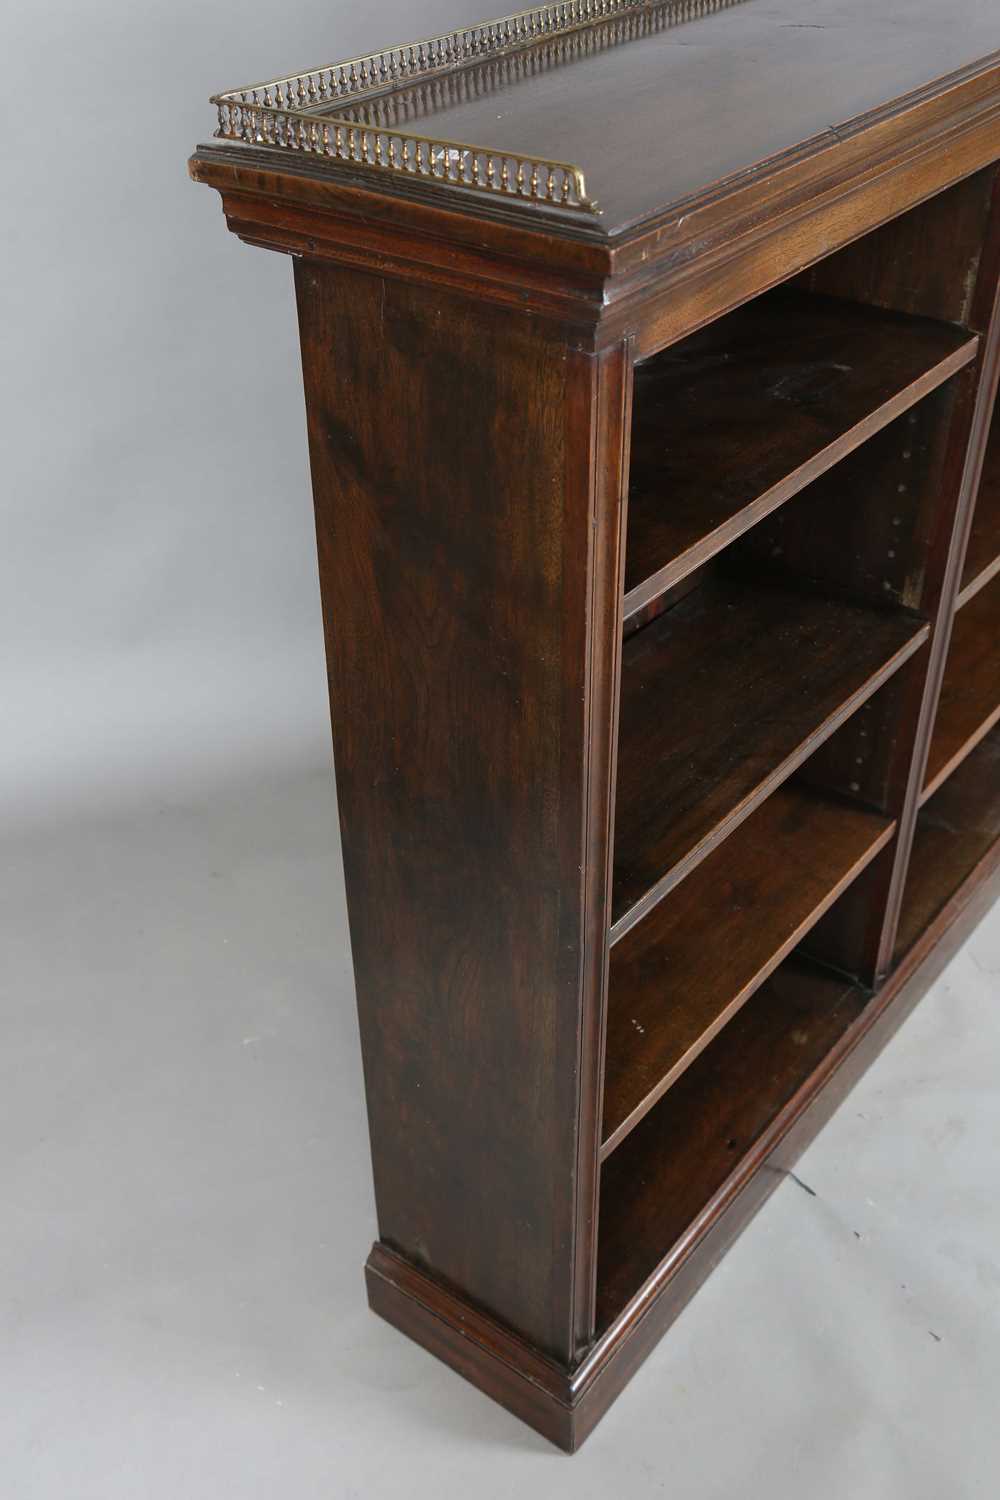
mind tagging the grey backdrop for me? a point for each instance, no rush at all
(157, 587)
(184, 1190)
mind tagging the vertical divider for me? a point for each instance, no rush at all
(612, 403)
(940, 262)
(984, 318)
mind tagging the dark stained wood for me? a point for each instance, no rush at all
(566, 1405)
(876, 528)
(982, 560)
(728, 251)
(658, 1182)
(597, 99)
(733, 421)
(969, 705)
(721, 699)
(696, 261)
(958, 828)
(457, 593)
(654, 285)
(670, 598)
(685, 970)
(925, 263)
(885, 524)
(870, 527)
(617, 1355)
(967, 439)
(904, 533)
(486, 1352)
(600, 418)
(468, 366)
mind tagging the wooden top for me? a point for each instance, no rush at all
(654, 106)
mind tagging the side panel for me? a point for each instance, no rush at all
(453, 449)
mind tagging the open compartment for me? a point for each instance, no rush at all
(680, 975)
(982, 559)
(969, 705)
(760, 656)
(794, 487)
(715, 1127)
(957, 841)
(733, 421)
(722, 697)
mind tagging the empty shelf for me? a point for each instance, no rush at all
(706, 1134)
(958, 830)
(680, 974)
(970, 695)
(736, 419)
(721, 699)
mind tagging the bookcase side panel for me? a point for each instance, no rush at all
(454, 453)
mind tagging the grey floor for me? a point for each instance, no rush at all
(186, 1207)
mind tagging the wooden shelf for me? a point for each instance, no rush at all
(970, 695)
(708, 1132)
(982, 560)
(730, 423)
(679, 976)
(957, 838)
(721, 699)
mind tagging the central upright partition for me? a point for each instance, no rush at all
(656, 466)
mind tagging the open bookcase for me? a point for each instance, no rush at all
(658, 515)
(794, 526)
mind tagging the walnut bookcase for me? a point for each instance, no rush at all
(658, 513)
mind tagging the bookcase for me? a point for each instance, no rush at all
(658, 521)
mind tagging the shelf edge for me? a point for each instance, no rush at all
(978, 583)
